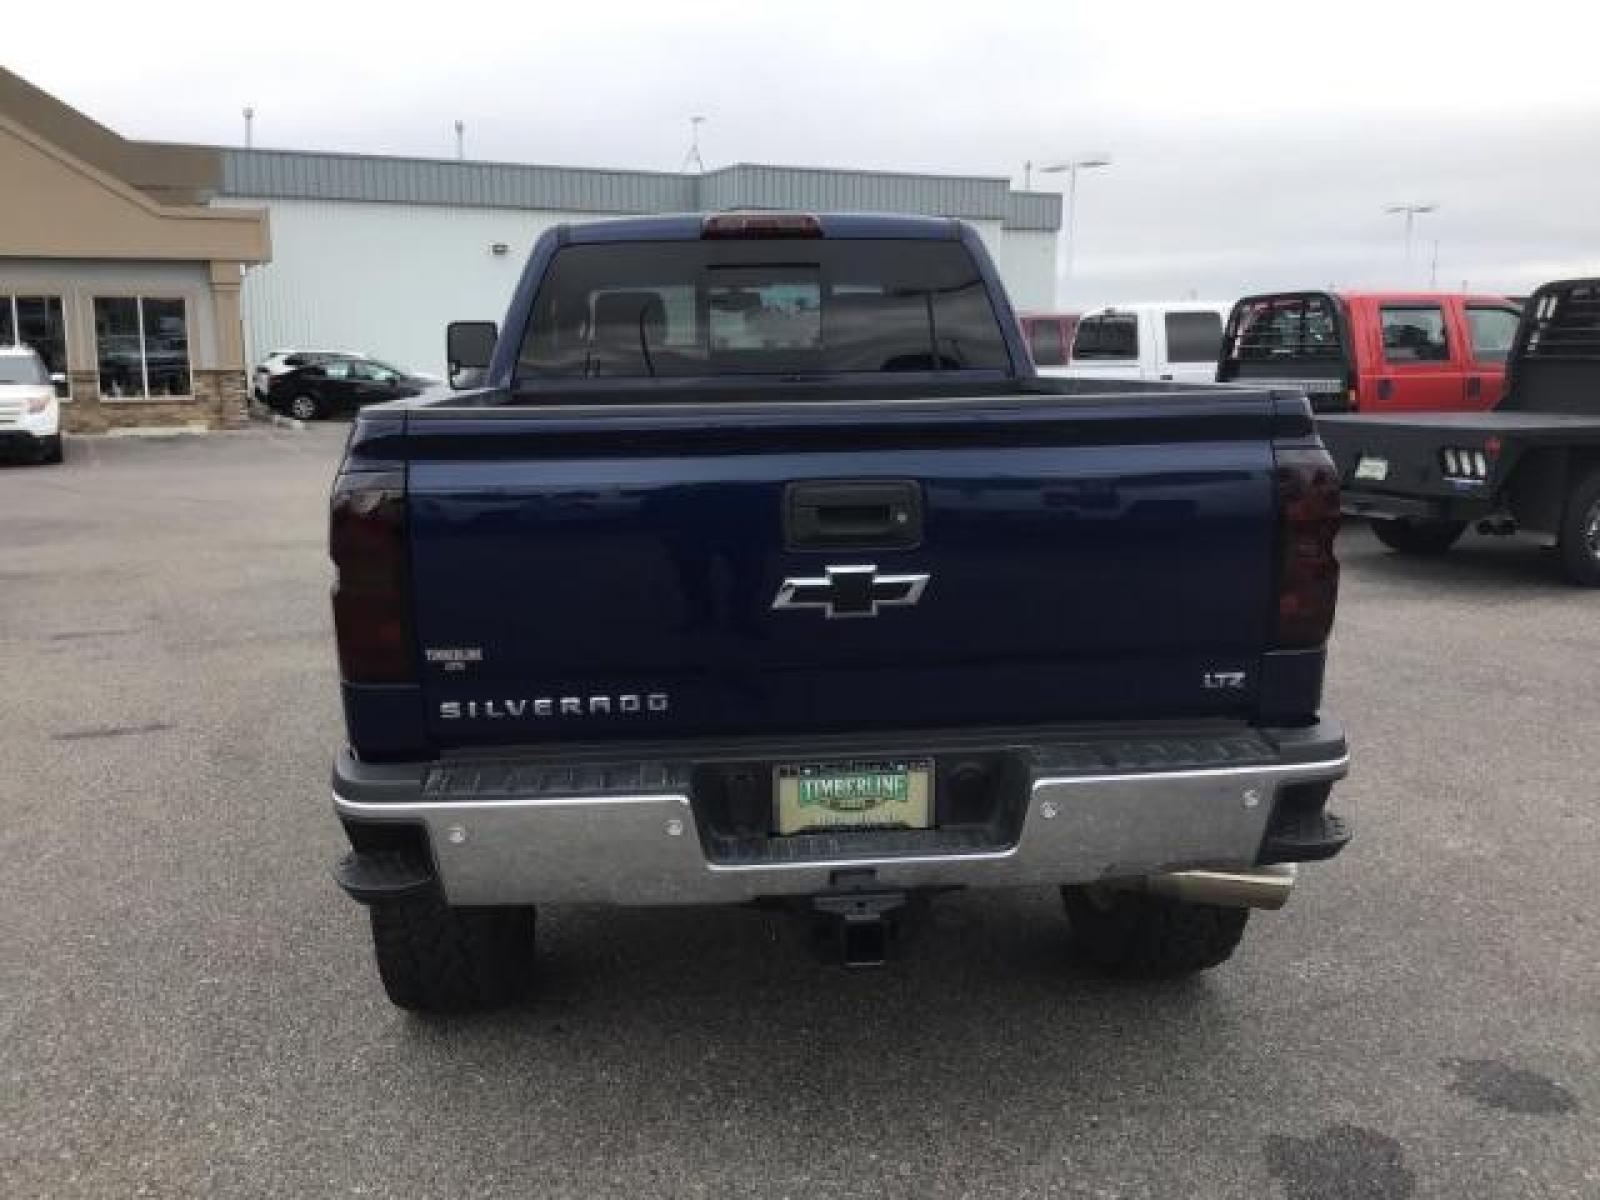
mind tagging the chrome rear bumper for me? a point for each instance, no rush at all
(1199, 830)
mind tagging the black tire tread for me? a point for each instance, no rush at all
(1143, 936)
(435, 958)
(1421, 539)
(1581, 566)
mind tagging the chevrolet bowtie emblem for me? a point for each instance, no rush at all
(851, 592)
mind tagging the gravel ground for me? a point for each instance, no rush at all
(189, 1006)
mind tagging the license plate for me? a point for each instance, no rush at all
(1372, 468)
(892, 794)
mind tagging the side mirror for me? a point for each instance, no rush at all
(469, 345)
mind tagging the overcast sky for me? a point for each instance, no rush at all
(1254, 145)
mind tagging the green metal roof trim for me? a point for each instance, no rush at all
(287, 174)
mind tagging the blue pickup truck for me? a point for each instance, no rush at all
(751, 562)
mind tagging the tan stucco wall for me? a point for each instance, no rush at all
(86, 214)
(55, 206)
(78, 283)
(169, 174)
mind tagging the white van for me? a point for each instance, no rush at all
(1179, 342)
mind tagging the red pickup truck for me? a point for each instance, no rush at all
(1374, 351)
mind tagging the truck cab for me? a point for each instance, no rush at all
(1375, 351)
(1174, 343)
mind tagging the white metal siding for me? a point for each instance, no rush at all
(384, 279)
(1026, 259)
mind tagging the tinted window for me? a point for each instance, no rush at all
(38, 323)
(1193, 337)
(1492, 330)
(22, 368)
(337, 368)
(1045, 342)
(762, 307)
(372, 372)
(1111, 335)
(142, 346)
(1414, 334)
(1287, 327)
(166, 346)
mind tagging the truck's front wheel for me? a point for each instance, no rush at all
(1148, 936)
(1421, 538)
(435, 958)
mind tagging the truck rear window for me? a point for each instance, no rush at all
(1275, 328)
(1193, 337)
(642, 309)
(1107, 335)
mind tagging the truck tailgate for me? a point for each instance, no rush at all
(583, 579)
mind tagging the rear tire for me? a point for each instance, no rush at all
(435, 958)
(304, 408)
(1579, 540)
(1420, 539)
(1142, 936)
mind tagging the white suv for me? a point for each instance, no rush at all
(30, 413)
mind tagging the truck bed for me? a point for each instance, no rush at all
(1412, 450)
(1533, 426)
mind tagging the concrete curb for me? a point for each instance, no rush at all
(262, 415)
(196, 429)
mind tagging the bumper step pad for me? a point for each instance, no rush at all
(375, 876)
(1304, 837)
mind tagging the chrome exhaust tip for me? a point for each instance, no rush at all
(1257, 887)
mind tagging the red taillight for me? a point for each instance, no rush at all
(367, 541)
(1308, 572)
(761, 225)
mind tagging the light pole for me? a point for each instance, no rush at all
(693, 157)
(249, 126)
(1411, 212)
(1072, 167)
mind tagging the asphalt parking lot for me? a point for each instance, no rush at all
(190, 1007)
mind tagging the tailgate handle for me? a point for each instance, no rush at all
(826, 514)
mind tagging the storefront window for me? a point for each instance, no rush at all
(37, 321)
(142, 344)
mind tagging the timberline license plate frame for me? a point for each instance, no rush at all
(801, 800)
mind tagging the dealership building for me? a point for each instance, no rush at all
(150, 275)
